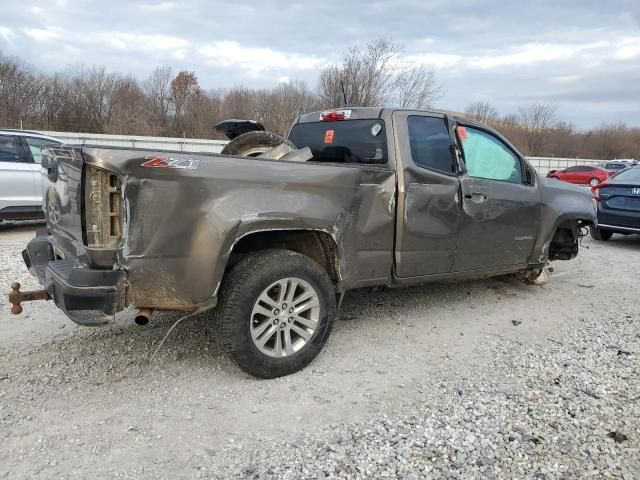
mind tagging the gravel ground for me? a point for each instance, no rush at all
(490, 379)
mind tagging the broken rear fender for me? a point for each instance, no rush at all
(181, 224)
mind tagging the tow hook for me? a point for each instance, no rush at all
(16, 297)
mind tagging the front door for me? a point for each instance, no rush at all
(501, 204)
(428, 196)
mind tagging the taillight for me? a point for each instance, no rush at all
(335, 115)
(102, 208)
(596, 192)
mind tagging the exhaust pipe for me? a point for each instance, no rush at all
(143, 316)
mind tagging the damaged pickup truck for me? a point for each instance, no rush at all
(358, 197)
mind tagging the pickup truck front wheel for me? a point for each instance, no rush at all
(276, 312)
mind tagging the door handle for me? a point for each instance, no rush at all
(476, 197)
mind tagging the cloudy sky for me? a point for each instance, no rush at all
(583, 55)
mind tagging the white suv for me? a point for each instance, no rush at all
(20, 177)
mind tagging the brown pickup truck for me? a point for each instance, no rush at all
(378, 197)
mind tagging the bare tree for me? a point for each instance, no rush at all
(482, 112)
(537, 120)
(563, 141)
(375, 76)
(416, 88)
(183, 87)
(19, 89)
(130, 110)
(239, 102)
(279, 106)
(609, 141)
(91, 99)
(157, 88)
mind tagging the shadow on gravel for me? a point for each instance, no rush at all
(123, 350)
(623, 242)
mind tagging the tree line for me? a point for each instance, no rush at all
(168, 103)
(536, 131)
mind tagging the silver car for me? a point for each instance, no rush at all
(20, 176)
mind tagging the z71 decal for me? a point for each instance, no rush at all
(164, 162)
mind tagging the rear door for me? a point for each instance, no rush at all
(501, 206)
(33, 147)
(588, 173)
(572, 175)
(428, 215)
(18, 195)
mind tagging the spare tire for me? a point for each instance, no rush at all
(252, 144)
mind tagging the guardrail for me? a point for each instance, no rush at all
(544, 164)
(160, 143)
(541, 164)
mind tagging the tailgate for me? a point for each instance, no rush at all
(62, 197)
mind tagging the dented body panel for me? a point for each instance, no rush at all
(182, 225)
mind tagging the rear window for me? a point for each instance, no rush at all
(430, 143)
(348, 141)
(631, 175)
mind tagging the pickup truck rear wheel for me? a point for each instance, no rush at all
(276, 312)
(252, 144)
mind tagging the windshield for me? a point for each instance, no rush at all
(348, 141)
(631, 175)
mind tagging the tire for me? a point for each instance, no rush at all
(594, 181)
(252, 144)
(600, 234)
(241, 317)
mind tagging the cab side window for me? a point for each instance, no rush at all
(10, 150)
(430, 143)
(488, 157)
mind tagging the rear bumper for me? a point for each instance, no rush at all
(619, 220)
(618, 228)
(87, 296)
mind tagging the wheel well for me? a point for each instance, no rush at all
(317, 245)
(564, 244)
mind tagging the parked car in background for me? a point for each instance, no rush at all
(581, 175)
(618, 205)
(617, 165)
(20, 178)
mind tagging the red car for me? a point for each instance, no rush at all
(582, 175)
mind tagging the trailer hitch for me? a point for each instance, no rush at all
(16, 297)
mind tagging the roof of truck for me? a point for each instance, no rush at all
(376, 112)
